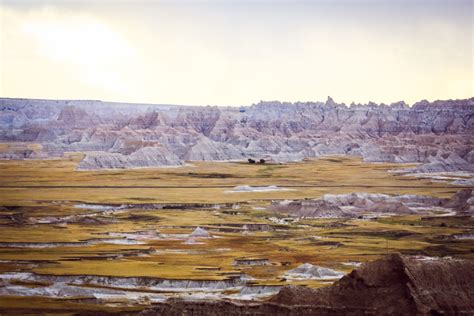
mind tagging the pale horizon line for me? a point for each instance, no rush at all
(347, 104)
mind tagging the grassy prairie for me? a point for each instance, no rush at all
(206, 182)
(32, 190)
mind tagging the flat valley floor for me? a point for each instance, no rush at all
(119, 240)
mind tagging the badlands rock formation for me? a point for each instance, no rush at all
(309, 271)
(462, 202)
(369, 204)
(394, 285)
(116, 135)
(200, 233)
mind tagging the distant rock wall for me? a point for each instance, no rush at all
(439, 135)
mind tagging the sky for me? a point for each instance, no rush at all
(237, 52)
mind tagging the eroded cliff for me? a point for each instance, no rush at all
(114, 135)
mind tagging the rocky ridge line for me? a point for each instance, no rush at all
(116, 135)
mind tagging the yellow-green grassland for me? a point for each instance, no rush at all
(49, 202)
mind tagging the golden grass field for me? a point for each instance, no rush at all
(330, 175)
(34, 189)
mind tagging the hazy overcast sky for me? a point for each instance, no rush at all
(237, 52)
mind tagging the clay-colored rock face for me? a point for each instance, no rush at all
(462, 202)
(394, 285)
(438, 134)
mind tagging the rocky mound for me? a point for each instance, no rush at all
(142, 158)
(311, 208)
(361, 204)
(200, 233)
(390, 207)
(309, 271)
(462, 202)
(248, 188)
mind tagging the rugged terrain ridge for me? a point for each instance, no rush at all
(118, 135)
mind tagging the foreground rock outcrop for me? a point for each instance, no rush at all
(393, 285)
(462, 202)
(438, 135)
